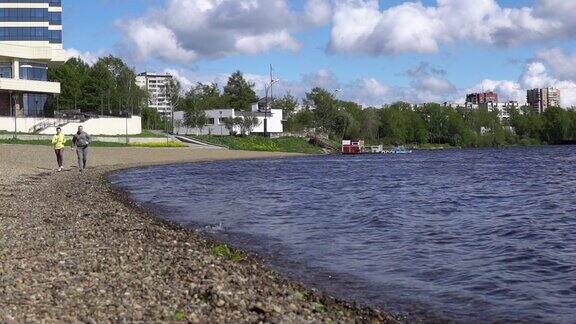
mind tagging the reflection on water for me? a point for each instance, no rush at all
(467, 235)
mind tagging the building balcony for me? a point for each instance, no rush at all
(31, 51)
(18, 85)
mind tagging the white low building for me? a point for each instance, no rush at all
(272, 118)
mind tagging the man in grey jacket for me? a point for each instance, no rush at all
(80, 142)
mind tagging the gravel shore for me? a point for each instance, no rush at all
(72, 249)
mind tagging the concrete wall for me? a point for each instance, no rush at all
(96, 126)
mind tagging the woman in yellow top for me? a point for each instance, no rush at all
(59, 141)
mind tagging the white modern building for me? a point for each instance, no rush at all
(273, 118)
(157, 86)
(30, 42)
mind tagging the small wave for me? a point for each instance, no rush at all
(213, 229)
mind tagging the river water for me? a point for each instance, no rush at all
(463, 235)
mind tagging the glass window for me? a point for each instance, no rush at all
(34, 104)
(33, 71)
(6, 70)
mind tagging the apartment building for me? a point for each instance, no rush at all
(503, 108)
(157, 86)
(542, 99)
(482, 98)
(30, 43)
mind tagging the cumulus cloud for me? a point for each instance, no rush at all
(318, 12)
(183, 31)
(429, 84)
(537, 74)
(88, 57)
(361, 26)
(507, 90)
(562, 65)
(155, 40)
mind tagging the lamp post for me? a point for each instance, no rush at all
(13, 112)
(220, 122)
(268, 104)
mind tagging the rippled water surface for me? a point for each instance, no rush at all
(472, 235)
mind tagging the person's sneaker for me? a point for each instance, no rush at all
(60, 169)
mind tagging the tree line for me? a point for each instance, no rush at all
(109, 87)
(106, 87)
(401, 123)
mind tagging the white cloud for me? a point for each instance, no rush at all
(507, 90)
(562, 65)
(156, 40)
(318, 12)
(536, 74)
(88, 57)
(361, 26)
(183, 31)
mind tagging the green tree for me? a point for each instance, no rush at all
(323, 105)
(368, 125)
(72, 76)
(196, 118)
(239, 92)
(124, 94)
(288, 103)
(556, 124)
(436, 118)
(206, 96)
(151, 119)
(248, 123)
(99, 88)
(303, 120)
(231, 123)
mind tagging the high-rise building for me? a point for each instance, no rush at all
(157, 86)
(482, 98)
(30, 42)
(542, 99)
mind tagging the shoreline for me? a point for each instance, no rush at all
(104, 258)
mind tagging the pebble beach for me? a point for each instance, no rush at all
(74, 249)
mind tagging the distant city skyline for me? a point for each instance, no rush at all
(377, 52)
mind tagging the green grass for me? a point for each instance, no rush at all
(98, 144)
(259, 143)
(49, 143)
(158, 144)
(223, 251)
(144, 134)
(180, 316)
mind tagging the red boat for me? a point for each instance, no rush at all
(352, 147)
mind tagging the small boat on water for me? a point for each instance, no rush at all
(358, 147)
(352, 146)
(399, 150)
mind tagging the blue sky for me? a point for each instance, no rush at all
(399, 70)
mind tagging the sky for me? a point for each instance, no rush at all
(376, 52)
